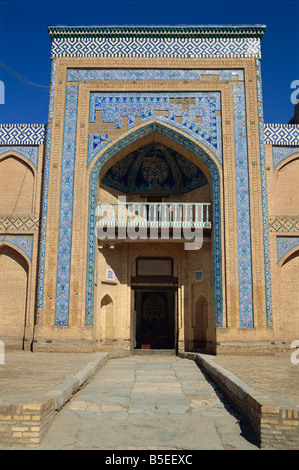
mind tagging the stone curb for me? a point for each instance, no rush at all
(66, 390)
(275, 425)
(26, 424)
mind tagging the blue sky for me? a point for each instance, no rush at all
(25, 43)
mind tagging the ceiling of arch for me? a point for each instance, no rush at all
(154, 169)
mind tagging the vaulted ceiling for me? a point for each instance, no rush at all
(154, 169)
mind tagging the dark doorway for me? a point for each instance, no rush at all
(155, 319)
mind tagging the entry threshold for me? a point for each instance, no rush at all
(153, 352)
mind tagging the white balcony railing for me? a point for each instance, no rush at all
(174, 214)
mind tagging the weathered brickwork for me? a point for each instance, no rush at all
(25, 424)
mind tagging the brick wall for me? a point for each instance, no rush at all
(25, 424)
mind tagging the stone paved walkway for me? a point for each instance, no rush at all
(149, 403)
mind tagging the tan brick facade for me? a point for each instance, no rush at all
(210, 115)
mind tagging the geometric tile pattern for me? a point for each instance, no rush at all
(216, 211)
(156, 41)
(51, 92)
(45, 185)
(19, 223)
(66, 208)
(76, 75)
(155, 47)
(23, 242)
(22, 134)
(284, 225)
(285, 244)
(43, 219)
(243, 208)
(203, 105)
(281, 134)
(267, 267)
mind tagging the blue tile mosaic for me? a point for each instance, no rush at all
(52, 88)
(45, 185)
(203, 105)
(268, 284)
(155, 47)
(284, 245)
(22, 134)
(43, 225)
(243, 208)
(23, 242)
(76, 75)
(281, 153)
(282, 134)
(66, 208)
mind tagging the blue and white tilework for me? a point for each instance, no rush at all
(95, 144)
(23, 242)
(43, 225)
(45, 185)
(282, 134)
(66, 208)
(216, 211)
(268, 285)
(284, 245)
(115, 106)
(77, 75)
(22, 134)
(243, 208)
(155, 47)
(51, 93)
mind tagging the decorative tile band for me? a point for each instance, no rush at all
(199, 106)
(284, 225)
(31, 153)
(77, 75)
(44, 207)
(66, 208)
(284, 245)
(243, 208)
(22, 134)
(52, 87)
(267, 267)
(282, 134)
(216, 216)
(43, 226)
(23, 242)
(198, 31)
(19, 223)
(280, 153)
(155, 47)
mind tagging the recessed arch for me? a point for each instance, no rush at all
(195, 151)
(293, 253)
(286, 161)
(107, 313)
(14, 270)
(17, 184)
(200, 322)
(288, 291)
